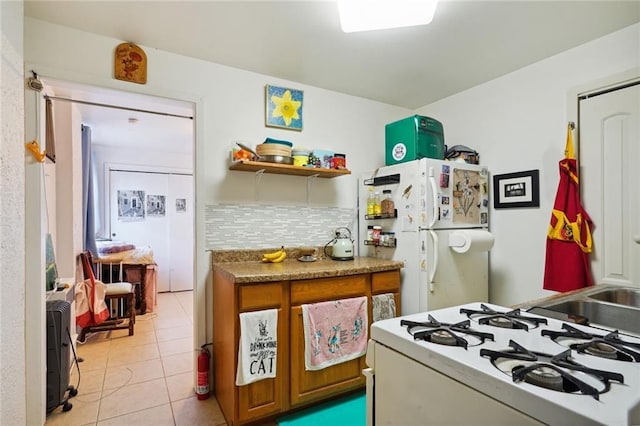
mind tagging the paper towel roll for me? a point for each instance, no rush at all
(473, 240)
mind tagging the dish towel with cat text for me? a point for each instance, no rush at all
(258, 347)
(384, 306)
(334, 332)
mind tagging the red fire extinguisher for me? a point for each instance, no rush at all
(202, 389)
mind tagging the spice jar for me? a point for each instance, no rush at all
(387, 205)
(370, 233)
(376, 234)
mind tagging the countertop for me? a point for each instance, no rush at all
(252, 271)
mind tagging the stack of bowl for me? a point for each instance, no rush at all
(275, 151)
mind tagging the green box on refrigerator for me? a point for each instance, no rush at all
(413, 138)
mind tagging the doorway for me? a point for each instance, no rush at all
(138, 133)
(34, 113)
(142, 134)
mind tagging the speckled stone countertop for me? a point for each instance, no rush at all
(245, 266)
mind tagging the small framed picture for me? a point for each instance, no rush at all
(181, 205)
(283, 107)
(521, 189)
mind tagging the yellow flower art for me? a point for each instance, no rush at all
(285, 107)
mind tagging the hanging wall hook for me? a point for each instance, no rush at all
(572, 125)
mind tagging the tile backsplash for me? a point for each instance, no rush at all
(235, 226)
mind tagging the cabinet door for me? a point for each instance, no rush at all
(309, 386)
(265, 397)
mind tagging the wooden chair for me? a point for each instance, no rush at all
(122, 295)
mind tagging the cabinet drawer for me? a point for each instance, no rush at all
(326, 289)
(388, 281)
(261, 296)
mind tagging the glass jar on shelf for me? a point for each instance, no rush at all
(376, 234)
(387, 206)
(377, 207)
(370, 203)
(370, 233)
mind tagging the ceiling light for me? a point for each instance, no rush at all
(365, 15)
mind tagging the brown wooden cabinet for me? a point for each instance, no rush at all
(265, 397)
(293, 386)
(310, 386)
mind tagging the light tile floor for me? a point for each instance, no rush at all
(144, 379)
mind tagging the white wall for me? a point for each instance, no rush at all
(12, 217)
(518, 122)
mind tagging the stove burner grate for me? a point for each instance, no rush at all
(609, 345)
(556, 372)
(510, 319)
(445, 334)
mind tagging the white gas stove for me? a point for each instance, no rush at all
(486, 364)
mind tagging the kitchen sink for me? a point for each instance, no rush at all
(607, 305)
(619, 296)
(615, 316)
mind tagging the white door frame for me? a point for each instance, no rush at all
(35, 326)
(35, 293)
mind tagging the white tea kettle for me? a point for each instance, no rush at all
(342, 245)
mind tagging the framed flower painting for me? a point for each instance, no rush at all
(283, 108)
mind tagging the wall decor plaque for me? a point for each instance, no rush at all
(130, 63)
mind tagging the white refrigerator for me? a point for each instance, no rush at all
(439, 230)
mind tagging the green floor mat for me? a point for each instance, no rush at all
(347, 411)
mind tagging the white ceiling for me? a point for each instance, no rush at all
(468, 42)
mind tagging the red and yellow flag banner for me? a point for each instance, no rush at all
(569, 239)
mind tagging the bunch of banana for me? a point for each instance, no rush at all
(275, 257)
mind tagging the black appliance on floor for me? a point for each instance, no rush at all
(58, 355)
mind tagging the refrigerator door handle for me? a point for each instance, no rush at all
(434, 267)
(434, 201)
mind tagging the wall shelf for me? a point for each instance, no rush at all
(394, 215)
(380, 244)
(383, 180)
(286, 169)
